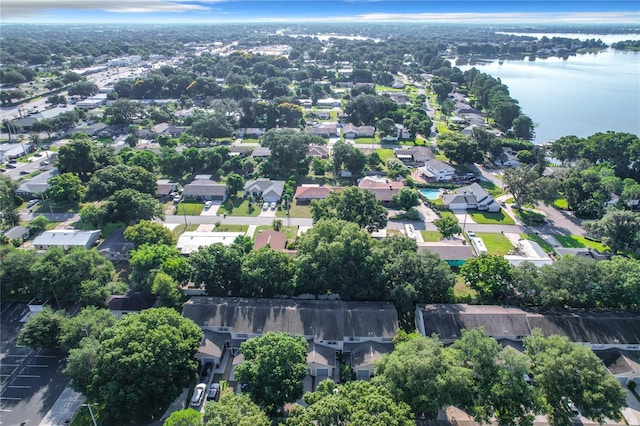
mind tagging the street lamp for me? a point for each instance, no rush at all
(287, 199)
(91, 413)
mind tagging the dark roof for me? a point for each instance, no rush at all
(583, 252)
(365, 354)
(204, 187)
(132, 301)
(447, 250)
(16, 232)
(322, 319)
(620, 362)
(596, 328)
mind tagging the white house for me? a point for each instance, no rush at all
(269, 190)
(192, 241)
(471, 197)
(66, 239)
(437, 170)
(531, 252)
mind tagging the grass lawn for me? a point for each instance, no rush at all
(291, 231)
(83, 417)
(385, 154)
(561, 204)
(230, 228)
(189, 209)
(442, 157)
(431, 236)
(442, 127)
(491, 188)
(448, 213)
(387, 89)
(496, 244)
(462, 292)
(237, 206)
(181, 229)
(545, 245)
(295, 211)
(530, 217)
(365, 141)
(577, 241)
(250, 140)
(492, 218)
(509, 200)
(56, 208)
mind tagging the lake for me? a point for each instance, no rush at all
(581, 95)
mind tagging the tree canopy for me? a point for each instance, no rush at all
(141, 354)
(234, 410)
(353, 205)
(273, 368)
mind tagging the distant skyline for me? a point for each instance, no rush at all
(300, 11)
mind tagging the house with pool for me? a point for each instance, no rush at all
(471, 197)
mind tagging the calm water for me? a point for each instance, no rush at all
(430, 194)
(579, 96)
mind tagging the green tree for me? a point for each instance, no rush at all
(396, 168)
(357, 403)
(490, 275)
(65, 188)
(422, 374)
(386, 127)
(148, 232)
(42, 331)
(83, 157)
(267, 273)
(522, 127)
(353, 205)
(184, 417)
(520, 182)
(127, 377)
(130, 206)
(234, 410)
(289, 148)
(38, 225)
(105, 182)
(441, 87)
(81, 362)
(84, 89)
(8, 204)
(619, 229)
(235, 182)
(89, 322)
(149, 259)
(273, 368)
(122, 111)
(16, 277)
(458, 148)
(448, 226)
(219, 268)
(167, 291)
(565, 370)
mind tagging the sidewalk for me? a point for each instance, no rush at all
(64, 409)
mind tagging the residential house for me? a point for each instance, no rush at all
(598, 331)
(324, 130)
(508, 157)
(66, 239)
(165, 188)
(251, 132)
(176, 131)
(95, 101)
(261, 152)
(623, 365)
(471, 197)
(318, 151)
(455, 252)
(529, 251)
(205, 189)
(131, 302)
(188, 242)
(160, 129)
(400, 98)
(364, 356)
(268, 190)
(274, 239)
(17, 232)
(583, 252)
(350, 131)
(14, 150)
(401, 134)
(37, 185)
(27, 122)
(329, 102)
(383, 189)
(321, 114)
(437, 170)
(332, 327)
(239, 150)
(309, 192)
(415, 154)
(91, 129)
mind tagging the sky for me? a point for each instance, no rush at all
(299, 11)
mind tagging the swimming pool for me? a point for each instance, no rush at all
(430, 194)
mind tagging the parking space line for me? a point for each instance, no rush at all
(10, 365)
(10, 398)
(28, 376)
(19, 387)
(38, 365)
(44, 356)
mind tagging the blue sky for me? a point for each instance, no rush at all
(180, 11)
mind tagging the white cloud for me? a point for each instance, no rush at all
(22, 8)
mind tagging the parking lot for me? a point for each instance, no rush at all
(30, 381)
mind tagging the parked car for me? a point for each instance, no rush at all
(198, 394)
(208, 205)
(265, 206)
(273, 205)
(177, 199)
(32, 203)
(10, 166)
(213, 390)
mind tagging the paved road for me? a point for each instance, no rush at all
(236, 220)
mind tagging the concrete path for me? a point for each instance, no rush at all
(65, 408)
(251, 231)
